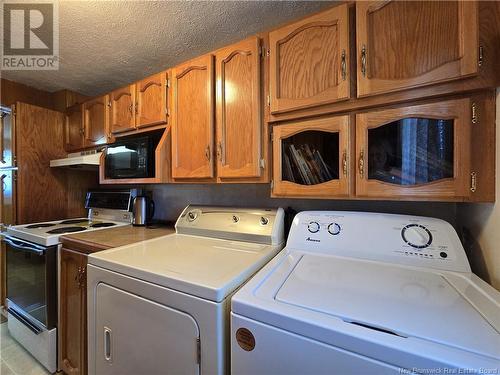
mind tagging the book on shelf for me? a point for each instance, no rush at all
(304, 164)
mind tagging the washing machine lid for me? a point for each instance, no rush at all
(405, 301)
(204, 267)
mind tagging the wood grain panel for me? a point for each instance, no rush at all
(63, 99)
(456, 187)
(340, 187)
(151, 102)
(12, 92)
(95, 121)
(122, 112)
(413, 43)
(73, 313)
(239, 120)
(193, 119)
(41, 190)
(73, 128)
(306, 66)
(428, 38)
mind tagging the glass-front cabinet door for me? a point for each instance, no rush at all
(311, 158)
(418, 151)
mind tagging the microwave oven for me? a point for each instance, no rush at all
(131, 157)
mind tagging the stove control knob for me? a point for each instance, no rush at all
(313, 227)
(334, 229)
(416, 236)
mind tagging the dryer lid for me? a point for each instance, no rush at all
(405, 301)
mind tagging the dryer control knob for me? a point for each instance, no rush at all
(313, 227)
(416, 236)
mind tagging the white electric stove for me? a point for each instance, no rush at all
(32, 270)
(366, 293)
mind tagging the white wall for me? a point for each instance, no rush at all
(481, 226)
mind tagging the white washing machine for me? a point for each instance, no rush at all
(366, 293)
(162, 306)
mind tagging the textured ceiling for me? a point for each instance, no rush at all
(107, 44)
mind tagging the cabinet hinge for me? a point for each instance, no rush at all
(262, 163)
(13, 110)
(109, 104)
(473, 182)
(263, 51)
(198, 350)
(474, 113)
(272, 184)
(480, 56)
(271, 134)
(268, 100)
(168, 83)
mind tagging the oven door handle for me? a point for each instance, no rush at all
(24, 245)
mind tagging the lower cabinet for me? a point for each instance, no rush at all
(73, 313)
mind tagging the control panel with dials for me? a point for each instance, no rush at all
(411, 240)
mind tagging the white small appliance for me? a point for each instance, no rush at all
(366, 293)
(162, 306)
(32, 252)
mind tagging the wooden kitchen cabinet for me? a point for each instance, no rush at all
(406, 44)
(309, 61)
(312, 158)
(193, 119)
(73, 129)
(151, 100)
(122, 109)
(418, 151)
(239, 111)
(95, 121)
(73, 313)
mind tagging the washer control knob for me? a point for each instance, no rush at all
(264, 220)
(235, 219)
(313, 227)
(192, 215)
(416, 236)
(334, 229)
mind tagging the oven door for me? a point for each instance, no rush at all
(32, 283)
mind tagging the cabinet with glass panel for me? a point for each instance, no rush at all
(435, 151)
(311, 158)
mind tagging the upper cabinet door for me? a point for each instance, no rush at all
(193, 119)
(404, 44)
(239, 119)
(420, 151)
(309, 61)
(122, 117)
(95, 114)
(73, 128)
(151, 103)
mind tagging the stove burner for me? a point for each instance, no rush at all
(74, 221)
(102, 225)
(66, 230)
(40, 225)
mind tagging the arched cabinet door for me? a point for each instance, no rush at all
(309, 61)
(239, 113)
(193, 119)
(420, 151)
(95, 121)
(405, 44)
(122, 117)
(151, 101)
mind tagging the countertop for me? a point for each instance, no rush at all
(98, 240)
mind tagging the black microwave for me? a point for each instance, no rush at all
(131, 157)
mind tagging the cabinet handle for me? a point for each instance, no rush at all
(343, 66)
(363, 60)
(219, 151)
(107, 344)
(344, 163)
(361, 163)
(207, 152)
(131, 108)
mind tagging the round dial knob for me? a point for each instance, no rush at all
(313, 227)
(417, 236)
(264, 220)
(334, 229)
(192, 215)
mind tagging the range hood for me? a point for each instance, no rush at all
(85, 160)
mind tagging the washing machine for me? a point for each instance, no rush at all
(366, 293)
(162, 306)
